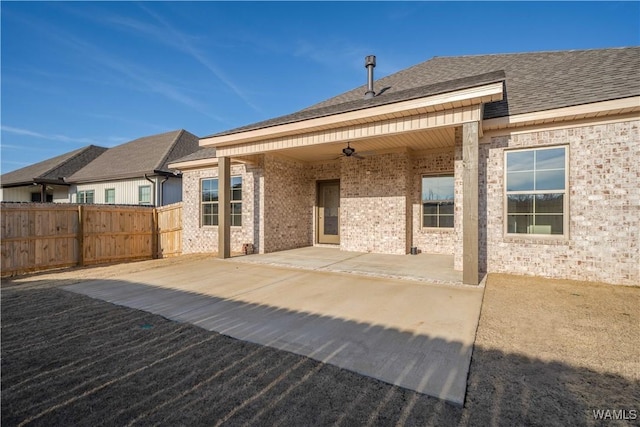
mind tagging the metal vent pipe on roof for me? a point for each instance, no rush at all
(369, 63)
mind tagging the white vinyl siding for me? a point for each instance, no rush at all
(23, 194)
(126, 190)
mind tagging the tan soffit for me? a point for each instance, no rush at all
(394, 128)
(442, 102)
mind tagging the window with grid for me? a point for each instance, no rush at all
(437, 201)
(85, 196)
(144, 195)
(536, 191)
(209, 201)
(110, 195)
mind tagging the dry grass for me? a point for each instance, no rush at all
(546, 353)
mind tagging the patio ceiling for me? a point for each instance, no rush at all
(415, 141)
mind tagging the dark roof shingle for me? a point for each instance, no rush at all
(54, 169)
(535, 81)
(146, 155)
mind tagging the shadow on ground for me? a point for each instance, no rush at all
(71, 360)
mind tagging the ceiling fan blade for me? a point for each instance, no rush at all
(357, 156)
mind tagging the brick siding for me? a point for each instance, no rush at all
(603, 242)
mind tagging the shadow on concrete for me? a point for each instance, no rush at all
(425, 364)
(72, 360)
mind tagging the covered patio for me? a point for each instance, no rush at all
(429, 268)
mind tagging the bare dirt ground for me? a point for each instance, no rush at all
(546, 353)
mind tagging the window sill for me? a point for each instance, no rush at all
(438, 229)
(540, 239)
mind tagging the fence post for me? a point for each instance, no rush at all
(80, 236)
(155, 237)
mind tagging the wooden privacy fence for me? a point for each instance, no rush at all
(169, 221)
(39, 236)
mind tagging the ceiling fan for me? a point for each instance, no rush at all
(349, 151)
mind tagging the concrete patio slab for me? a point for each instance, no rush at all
(411, 334)
(432, 268)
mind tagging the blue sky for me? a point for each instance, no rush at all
(104, 73)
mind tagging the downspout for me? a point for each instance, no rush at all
(153, 201)
(166, 178)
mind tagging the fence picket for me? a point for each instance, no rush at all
(40, 236)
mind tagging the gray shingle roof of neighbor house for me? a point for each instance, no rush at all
(535, 81)
(52, 171)
(147, 155)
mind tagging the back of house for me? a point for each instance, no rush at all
(516, 163)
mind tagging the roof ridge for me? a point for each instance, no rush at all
(79, 151)
(528, 53)
(169, 149)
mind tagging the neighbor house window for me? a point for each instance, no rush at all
(437, 201)
(209, 201)
(144, 195)
(536, 182)
(110, 195)
(85, 196)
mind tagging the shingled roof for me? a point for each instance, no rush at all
(148, 155)
(535, 81)
(52, 171)
(203, 153)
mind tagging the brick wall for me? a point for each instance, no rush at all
(375, 203)
(603, 241)
(202, 239)
(434, 240)
(287, 205)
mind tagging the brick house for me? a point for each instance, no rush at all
(517, 163)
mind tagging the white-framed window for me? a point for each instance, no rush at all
(437, 201)
(536, 191)
(85, 196)
(209, 201)
(144, 195)
(110, 195)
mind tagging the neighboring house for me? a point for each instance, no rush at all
(46, 181)
(516, 163)
(135, 172)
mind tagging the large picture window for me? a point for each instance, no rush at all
(209, 201)
(85, 196)
(437, 201)
(536, 191)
